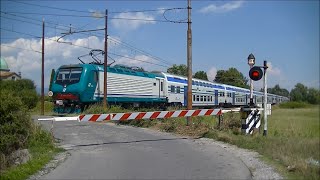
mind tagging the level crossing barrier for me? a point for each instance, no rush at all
(148, 115)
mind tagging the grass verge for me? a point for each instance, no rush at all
(42, 150)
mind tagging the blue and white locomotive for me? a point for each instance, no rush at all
(76, 86)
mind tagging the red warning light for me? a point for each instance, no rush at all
(255, 73)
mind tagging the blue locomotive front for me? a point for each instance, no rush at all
(73, 86)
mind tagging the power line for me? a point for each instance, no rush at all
(20, 48)
(31, 4)
(111, 39)
(52, 14)
(112, 12)
(20, 20)
(82, 32)
(49, 22)
(141, 51)
(136, 59)
(85, 16)
(20, 32)
(81, 47)
(137, 19)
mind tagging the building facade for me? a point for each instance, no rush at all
(5, 73)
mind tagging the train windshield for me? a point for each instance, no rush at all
(69, 76)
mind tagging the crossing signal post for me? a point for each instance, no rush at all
(256, 74)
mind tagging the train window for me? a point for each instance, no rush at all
(201, 98)
(69, 75)
(194, 97)
(198, 98)
(178, 89)
(172, 89)
(204, 98)
(161, 86)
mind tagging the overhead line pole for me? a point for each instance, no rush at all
(189, 64)
(42, 71)
(105, 61)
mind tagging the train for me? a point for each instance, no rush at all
(76, 86)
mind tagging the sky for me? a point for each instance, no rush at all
(153, 35)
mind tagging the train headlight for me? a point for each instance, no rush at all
(50, 93)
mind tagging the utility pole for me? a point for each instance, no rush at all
(105, 61)
(42, 71)
(189, 64)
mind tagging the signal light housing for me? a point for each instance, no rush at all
(255, 73)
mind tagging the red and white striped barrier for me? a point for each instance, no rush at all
(94, 117)
(149, 115)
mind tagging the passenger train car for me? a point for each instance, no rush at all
(75, 86)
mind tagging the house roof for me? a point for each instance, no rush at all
(6, 74)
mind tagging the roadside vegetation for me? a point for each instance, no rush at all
(48, 107)
(18, 131)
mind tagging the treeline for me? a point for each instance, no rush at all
(16, 127)
(232, 76)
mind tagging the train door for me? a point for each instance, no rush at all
(185, 96)
(233, 98)
(92, 85)
(160, 85)
(216, 97)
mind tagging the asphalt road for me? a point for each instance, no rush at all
(109, 151)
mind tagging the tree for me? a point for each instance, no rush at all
(232, 77)
(299, 93)
(278, 91)
(23, 88)
(201, 75)
(181, 70)
(313, 96)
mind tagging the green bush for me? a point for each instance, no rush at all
(15, 123)
(24, 88)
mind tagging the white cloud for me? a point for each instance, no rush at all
(274, 71)
(212, 72)
(127, 25)
(213, 8)
(56, 54)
